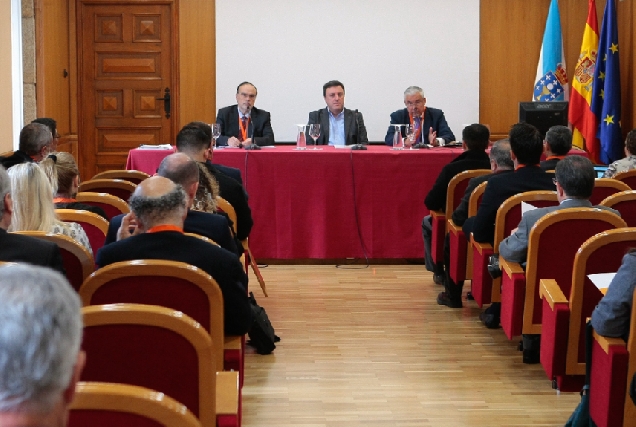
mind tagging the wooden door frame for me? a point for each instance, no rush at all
(77, 59)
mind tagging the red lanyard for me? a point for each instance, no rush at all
(244, 125)
(419, 130)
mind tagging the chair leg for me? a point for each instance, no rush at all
(257, 272)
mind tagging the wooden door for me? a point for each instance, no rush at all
(126, 61)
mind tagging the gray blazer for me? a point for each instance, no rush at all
(515, 247)
(353, 134)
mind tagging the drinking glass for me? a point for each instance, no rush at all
(410, 136)
(398, 142)
(314, 133)
(301, 141)
(216, 131)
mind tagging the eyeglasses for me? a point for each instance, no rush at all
(554, 181)
(411, 104)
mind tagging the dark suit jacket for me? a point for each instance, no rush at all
(500, 188)
(259, 129)
(15, 159)
(468, 160)
(222, 265)
(18, 248)
(549, 165)
(234, 193)
(433, 118)
(353, 134)
(212, 226)
(229, 171)
(460, 215)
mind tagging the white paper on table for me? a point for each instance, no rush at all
(601, 280)
(527, 207)
(268, 146)
(346, 147)
(155, 147)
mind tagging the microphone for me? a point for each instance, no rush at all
(354, 138)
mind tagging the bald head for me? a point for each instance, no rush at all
(158, 201)
(180, 169)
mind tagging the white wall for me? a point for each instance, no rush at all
(377, 48)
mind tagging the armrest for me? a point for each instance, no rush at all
(550, 290)
(437, 214)
(453, 228)
(227, 393)
(510, 267)
(481, 247)
(607, 342)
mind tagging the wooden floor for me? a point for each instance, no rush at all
(371, 347)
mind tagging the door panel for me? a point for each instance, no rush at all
(126, 62)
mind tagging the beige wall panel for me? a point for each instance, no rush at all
(6, 110)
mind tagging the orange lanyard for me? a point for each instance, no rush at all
(244, 127)
(158, 228)
(63, 200)
(555, 157)
(419, 130)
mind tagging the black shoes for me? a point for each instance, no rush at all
(531, 357)
(490, 317)
(444, 299)
(438, 279)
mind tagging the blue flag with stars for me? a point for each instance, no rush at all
(606, 92)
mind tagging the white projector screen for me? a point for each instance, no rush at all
(376, 48)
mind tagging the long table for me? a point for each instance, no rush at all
(332, 203)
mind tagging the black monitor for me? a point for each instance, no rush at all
(544, 115)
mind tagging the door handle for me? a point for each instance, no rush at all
(166, 102)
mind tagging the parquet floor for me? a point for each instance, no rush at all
(371, 347)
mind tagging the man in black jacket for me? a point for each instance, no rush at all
(35, 144)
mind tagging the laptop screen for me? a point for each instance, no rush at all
(600, 170)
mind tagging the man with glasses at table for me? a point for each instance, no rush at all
(430, 123)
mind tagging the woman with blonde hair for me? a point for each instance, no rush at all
(63, 175)
(33, 208)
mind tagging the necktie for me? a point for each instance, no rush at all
(417, 124)
(243, 128)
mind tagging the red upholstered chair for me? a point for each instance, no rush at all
(94, 225)
(564, 314)
(605, 187)
(628, 177)
(460, 258)
(112, 205)
(552, 245)
(116, 187)
(163, 350)
(78, 262)
(454, 193)
(128, 175)
(613, 366)
(176, 285)
(625, 203)
(484, 289)
(107, 404)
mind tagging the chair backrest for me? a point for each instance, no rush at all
(117, 187)
(605, 187)
(95, 226)
(177, 285)
(457, 187)
(133, 176)
(553, 243)
(226, 207)
(601, 253)
(153, 347)
(205, 239)
(6, 154)
(112, 205)
(78, 262)
(628, 177)
(107, 404)
(625, 203)
(475, 199)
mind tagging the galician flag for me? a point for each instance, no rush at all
(606, 93)
(551, 83)
(583, 121)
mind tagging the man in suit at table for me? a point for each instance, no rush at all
(338, 125)
(430, 123)
(242, 123)
(158, 209)
(557, 145)
(182, 170)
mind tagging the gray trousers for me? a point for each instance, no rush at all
(427, 235)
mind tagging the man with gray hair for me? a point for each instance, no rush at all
(18, 248)
(556, 145)
(35, 144)
(430, 123)
(40, 337)
(159, 207)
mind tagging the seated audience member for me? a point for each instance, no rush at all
(40, 337)
(63, 175)
(474, 141)
(557, 145)
(35, 144)
(338, 125)
(612, 315)
(525, 150)
(182, 170)
(33, 208)
(17, 248)
(52, 125)
(159, 207)
(430, 123)
(229, 171)
(627, 163)
(191, 140)
(242, 123)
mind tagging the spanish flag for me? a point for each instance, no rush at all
(584, 122)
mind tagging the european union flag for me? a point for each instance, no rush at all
(606, 93)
